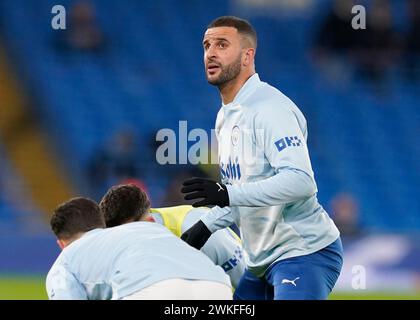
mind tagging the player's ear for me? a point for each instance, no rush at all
(249, 56)
(61, 244)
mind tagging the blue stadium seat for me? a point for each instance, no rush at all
(152, 76)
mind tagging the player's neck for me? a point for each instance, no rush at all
(147, 218)
(229, 90)
(63, 243)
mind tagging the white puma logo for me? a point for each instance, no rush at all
(220, 187)
(290, 281)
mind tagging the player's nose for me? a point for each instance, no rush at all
(210, 53)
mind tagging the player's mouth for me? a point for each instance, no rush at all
(212, 68)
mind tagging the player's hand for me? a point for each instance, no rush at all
(197, 235)
(212, 192)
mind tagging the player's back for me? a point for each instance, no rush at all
(116, 262)
(224, 247)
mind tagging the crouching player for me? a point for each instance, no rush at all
(139, 260)
(127, 203)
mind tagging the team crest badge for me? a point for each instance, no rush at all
(235, 135)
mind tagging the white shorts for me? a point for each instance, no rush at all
(182, 289)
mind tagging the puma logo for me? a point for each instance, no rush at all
(290, 281)
(220, 187)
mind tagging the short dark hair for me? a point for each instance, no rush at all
(122, 203)
(75, 216)
(243, 26)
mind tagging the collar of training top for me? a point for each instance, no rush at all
(250, 84)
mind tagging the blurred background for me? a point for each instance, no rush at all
(80, 108)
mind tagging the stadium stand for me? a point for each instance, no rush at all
(149, 75)
(17, 217)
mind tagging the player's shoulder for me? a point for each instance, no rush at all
(268, 101)
(61, 264)
(269, 98)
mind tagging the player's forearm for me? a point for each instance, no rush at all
(286, 186)
(218, 218)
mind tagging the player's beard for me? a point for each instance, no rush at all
(227, 73)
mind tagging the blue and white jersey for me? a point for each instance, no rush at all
(264, 161)
(116, 262)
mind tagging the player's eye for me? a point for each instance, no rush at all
(222, 45)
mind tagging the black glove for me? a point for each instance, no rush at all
(214, 193)
(197, 235)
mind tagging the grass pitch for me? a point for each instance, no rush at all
(33, 288)
(22, 288)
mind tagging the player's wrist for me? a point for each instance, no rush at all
(231, 191)
(197, 235)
